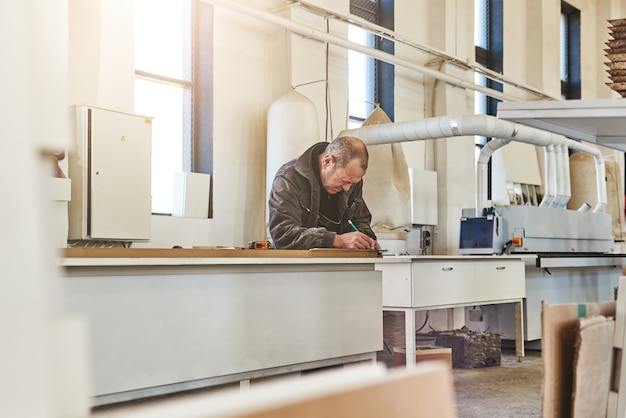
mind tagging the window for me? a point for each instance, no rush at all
(570, 52)
(370, 81)
(361, 80)
(488, 41)
(488, 45)
(172, 83)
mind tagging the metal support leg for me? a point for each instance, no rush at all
(409, 332)
(244, 385)
(519, 329)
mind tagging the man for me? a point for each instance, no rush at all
(316, 199)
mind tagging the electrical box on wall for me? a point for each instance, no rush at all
(110, 169)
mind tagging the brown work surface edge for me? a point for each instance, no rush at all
(214, 253)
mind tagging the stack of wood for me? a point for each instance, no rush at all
(616, 53)
(470, 349)
(393, 336)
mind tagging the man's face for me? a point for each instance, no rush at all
(336, 179)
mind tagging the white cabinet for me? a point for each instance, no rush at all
(442, 283)
(447, 281)
(110, 168)
(497, 280)
(414, 283)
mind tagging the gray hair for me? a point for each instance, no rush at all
(346, 148)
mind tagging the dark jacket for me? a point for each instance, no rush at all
(294, 206)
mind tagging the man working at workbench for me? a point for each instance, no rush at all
(317, 201)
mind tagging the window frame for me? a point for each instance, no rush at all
(197, 135)
(490, 56)
(570, 42)
(382, 78)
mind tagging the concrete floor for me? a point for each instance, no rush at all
(512, 389)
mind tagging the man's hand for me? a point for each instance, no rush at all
(356, 240)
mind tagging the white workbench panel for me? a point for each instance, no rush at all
(155, 325)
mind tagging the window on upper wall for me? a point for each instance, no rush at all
(362, 97)
(371, 81)
(488, 41)
(173, 84)
(570, 52)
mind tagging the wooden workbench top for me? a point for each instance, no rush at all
(119, 252)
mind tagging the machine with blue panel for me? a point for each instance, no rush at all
(534, 229)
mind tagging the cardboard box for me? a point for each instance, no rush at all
(561, 338)
(423, 353)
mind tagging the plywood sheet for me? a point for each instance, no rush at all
(615, 204)
(559, 331)
(592, 366)
(584, 188)
(425, 394)
(617, 397)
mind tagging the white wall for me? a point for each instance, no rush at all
(102, 72)
(42, 349)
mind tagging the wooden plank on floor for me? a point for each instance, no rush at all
(559, 330)
(593, 364)
(617, 399)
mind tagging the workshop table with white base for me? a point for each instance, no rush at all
(169, 320)
(418, 283)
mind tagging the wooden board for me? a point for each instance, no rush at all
(559, 333)
(584, 189)
(214, 253)
(593, 365)
(352, 392)
(617, 395)
(424, 393)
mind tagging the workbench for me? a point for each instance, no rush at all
(418, 283)
(559, 279)
(169, 320)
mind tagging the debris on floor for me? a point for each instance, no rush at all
(470, 349)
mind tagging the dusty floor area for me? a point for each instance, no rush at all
(512, 389)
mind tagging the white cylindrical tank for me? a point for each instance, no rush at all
(292, 127)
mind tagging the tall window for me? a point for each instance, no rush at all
(570, 52)
(371, 81)
(172, 66)
(488, 41)
(362, 97)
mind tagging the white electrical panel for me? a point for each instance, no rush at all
(110, 170)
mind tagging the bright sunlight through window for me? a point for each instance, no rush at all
(163, 87)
